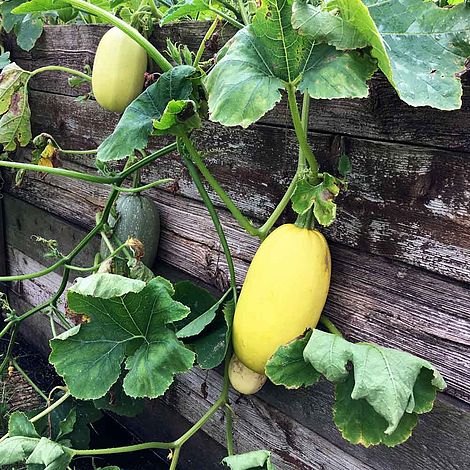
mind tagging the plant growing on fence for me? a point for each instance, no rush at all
(137, 331)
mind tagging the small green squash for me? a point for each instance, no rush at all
(137, 217)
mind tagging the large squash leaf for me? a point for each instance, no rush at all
(27, 27)
(136, 124)
(131, 326)
(379, 391)
(263, 57)
(419, 46)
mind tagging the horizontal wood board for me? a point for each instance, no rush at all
(408, 203)
(296, 425)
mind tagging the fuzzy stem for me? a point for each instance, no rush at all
(300, 131)
(29, 380)
(60, 68)
(206, 37)
(152, 51)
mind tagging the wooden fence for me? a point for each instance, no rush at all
(400, 249)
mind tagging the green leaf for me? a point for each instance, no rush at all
(183, 8)
(288, 367)
(118, 402)
(198, 324)
(178, 115)
(136, 124)
(50, 455)
(135, 327)
(25, 445)
(61, 417)
(344, 165)
(385, 378)
(359, 423)
(321, 196)
(211, 344)
(15, 123)
(41, 6)
(20, 425)
(4, 60)
(419, 46)
(324, 26)
(104, 286)
(67, 425)
(262, 57)
(257, 459)
(27, 27)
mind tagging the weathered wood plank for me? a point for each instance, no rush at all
(296, 425)
(254, 429)
(371, 298)
(408, 203)
(382, 116)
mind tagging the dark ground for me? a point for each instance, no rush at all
(15, 394)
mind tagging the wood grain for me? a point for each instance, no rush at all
(408, 203)
(296, 425)
(382, 116)
(371, 299)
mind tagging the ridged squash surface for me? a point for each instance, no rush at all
(283, 294)
(138, 217)
(118, 70)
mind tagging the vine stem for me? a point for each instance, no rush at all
(206, 37)
(60, 172)
(45, 412)
(260, 232)
(152, 51)
(328, 324)
(139, 189)
(29, 380)
(226, 17)
(241, 6)
(299, 129)
(60, 68)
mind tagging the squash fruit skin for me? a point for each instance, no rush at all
(138, 217)
(284, 293)
(118, 70)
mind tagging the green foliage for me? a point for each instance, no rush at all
(118, 402)
(184, 8)
(27, 27)
(68, 424)
(211, 343)
(126, 325)
(264, 56)
(288, 367)
(257, 459)
(320, 196)
(419, 46)
(344, 165)
(379, 391)
(25, 445)
(137, 122)
(15, 126)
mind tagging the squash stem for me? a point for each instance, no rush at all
(152, 51)
(328, 324)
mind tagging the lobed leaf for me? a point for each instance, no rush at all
(288, 367)
(262, 58)
(134, 327)
(183, 8)
(319, 196)
(385, 378)
(419, 46)
(136, 124)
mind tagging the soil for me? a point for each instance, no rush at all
(17, 394)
